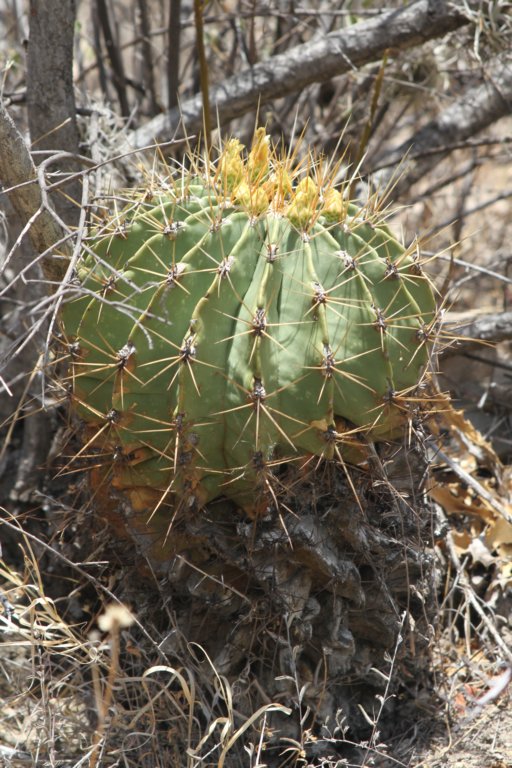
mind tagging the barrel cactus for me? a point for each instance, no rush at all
(245, 351)
(236, 317)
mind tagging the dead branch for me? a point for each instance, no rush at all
(486, 329)
(147, 55)
(114, 55)
(313, 62)
(19, 177)
(477, 108)
(173, 58)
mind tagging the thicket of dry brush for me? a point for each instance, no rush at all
(416, 97)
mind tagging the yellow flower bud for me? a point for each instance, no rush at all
(333, 207)
(231, 166)
(302, 208)
(258, 161)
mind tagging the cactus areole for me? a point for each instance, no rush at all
(238, 316)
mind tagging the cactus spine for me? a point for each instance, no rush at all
(227, 321)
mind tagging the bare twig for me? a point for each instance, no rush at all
(453, 218)
(475, 267)
(443, 148)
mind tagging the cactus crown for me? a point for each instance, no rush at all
(236, 317)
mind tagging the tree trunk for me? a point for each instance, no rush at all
(50, 93)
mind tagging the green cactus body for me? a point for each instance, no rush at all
(225, 324)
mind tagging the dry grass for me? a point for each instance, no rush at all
(104, 691)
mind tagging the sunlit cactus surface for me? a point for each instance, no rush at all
(236, 316)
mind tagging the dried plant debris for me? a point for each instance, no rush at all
(475, 491)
